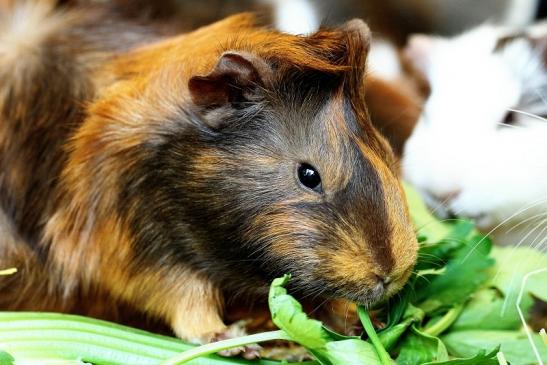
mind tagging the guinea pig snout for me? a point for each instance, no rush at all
(391, 282)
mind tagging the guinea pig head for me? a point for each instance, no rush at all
(287, 174)
(268, 164)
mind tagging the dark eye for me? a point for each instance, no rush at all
(309, 177)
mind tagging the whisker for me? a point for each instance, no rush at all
(505, 125)
(528, 114)
(513, 276)
(318, 306)
(527, 220)
(539, 246)
(522, 210)
(440, 204)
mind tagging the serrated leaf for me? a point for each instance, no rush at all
(328, 349)
(288, 315)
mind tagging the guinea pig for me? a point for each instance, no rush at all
(171, 174)
(479, 150)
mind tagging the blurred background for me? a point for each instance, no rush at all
(391, 18)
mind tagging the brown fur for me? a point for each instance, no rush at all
(111, 189)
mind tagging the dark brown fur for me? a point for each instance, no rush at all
(152, 172)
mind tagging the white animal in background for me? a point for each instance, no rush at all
(479, 149)
(305, 16)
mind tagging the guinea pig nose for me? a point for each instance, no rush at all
(383, 280)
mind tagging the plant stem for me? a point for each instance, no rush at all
(446, 321)
(8, 271)
(48, 336)
(215, 347)
(385, 359)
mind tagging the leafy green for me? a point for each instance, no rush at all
(352, 351)
(514, 345)
(5, 358)
(482, 358)
(465, 273)
(390, 336)
(513, 263)
(488, 309)
(419, 348)
(287, 314)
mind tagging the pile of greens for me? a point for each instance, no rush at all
(460, 307)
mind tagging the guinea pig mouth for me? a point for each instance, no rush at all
(367, 296)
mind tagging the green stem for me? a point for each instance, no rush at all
(385, 359)
(215, 347)
(446, 321)
(8, 271)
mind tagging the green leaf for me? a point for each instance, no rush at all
(352, 351)
(488, 310)
(288, 315)
(512, 264)
(514, 345)
(50, 362)
(426, 224)
(418, 348)
(5, 358)
(397, 307)
(391, 336)
(465, 273)
(482, 358)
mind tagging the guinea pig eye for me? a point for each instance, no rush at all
(309, 177)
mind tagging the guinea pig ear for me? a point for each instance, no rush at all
(234, 79)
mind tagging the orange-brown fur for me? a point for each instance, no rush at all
(70, 230)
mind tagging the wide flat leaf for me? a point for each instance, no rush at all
(482, 358)
(353, 351)
(418, 348)
(489, 310)
(512, 264)
(514, 345)
(5, 358)
(288, 315)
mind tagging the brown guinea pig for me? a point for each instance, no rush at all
(171, 174)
